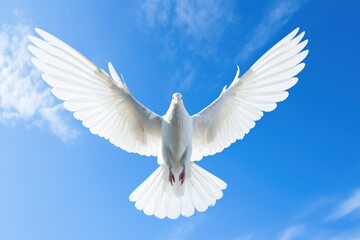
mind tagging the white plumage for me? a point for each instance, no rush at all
(105, 105)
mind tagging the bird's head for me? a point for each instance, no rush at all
(176, 98)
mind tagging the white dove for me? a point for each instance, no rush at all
(105, 105)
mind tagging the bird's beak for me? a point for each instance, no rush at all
(177, 100)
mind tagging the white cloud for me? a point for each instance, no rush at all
(186, 25)
(183, 230)
(201, 19)
(346, 207)
(198, 19)
(353, 234)
(313, 221)
(276, 17)
(23, 96)
(185, 75)
(292, 232)
(156, 11)
(248, 236)
(182, 78)
(318, 206)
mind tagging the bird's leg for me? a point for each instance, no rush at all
(171, 177)
(184, 161)
(182, 176)
(169, 162)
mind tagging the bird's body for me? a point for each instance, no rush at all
(176, 135)
(105, 105)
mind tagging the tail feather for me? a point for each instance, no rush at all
(159, 196)
(160, 211)
(207, 191)
(212, 182)
(174, 207)
(156, 196)
(140, 190)
(199, 200)
(149, 201)
(187, 209)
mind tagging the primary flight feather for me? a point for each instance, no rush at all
(104, 104)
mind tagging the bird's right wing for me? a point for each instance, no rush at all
(103, 103)
(235, 111)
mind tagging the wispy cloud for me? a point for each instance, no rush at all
(192, 26)
(276, 17)
(201, 19)
(348, 206)
(247, 236)
(186, 83)
(183, 230)
(23, 96)
(292, 232)
(188, 30)
(353, 234)
(183, 77)
(156, 11)
(315, 222)
(198, 19)
(318, 207)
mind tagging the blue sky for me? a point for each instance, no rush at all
(294, 176)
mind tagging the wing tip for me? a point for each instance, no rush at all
(301, 65)
(39, 31)
(306, 52)
(32, 49)
(36, 62)
(294, 32)
(30, 38)
(114, 75)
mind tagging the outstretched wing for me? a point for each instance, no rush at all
(235, 111)
(103, 103)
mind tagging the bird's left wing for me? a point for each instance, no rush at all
(235, 111)
(103, 103)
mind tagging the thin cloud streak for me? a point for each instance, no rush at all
(292, 232)
(314, 222)
(182, 78)
(201, 19)
(198, 19)
(183, 230)
(276, 18)
(353, 234)
(155, 11)
(23, 96)
(192, 26)
(248, 236)
(346, 207)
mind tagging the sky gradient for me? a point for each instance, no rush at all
(296, 175)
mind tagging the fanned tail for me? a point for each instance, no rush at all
(156, 196)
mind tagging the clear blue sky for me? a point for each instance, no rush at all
(296, 175)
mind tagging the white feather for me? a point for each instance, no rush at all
(94, 97)
(201, 190)
(235, 111)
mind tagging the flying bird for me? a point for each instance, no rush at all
(104, 104)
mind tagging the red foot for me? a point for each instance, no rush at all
(171, 177)
(182, 176)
